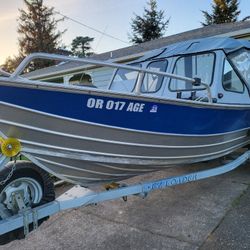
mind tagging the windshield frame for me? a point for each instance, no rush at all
(238, 72)
(213, 52)
(116, 71)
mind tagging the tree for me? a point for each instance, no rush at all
(11, 63)
(223, 11)
(37, 31)
(151, 25)
(80, 46)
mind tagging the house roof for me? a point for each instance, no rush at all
(238, 29)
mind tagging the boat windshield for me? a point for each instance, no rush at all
(124, 80)
(241, 60)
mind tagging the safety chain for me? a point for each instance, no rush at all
(2, 183)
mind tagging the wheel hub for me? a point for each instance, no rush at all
(26, 189)
(12, 191)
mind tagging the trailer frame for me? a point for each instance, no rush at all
(79, 196)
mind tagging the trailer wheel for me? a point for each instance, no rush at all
(36, 188)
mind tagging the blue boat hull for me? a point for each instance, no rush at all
(90, 136)
(154, 116)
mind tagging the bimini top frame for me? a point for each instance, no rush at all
(79, 196)
(17, 73)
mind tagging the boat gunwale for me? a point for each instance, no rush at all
(47, 86)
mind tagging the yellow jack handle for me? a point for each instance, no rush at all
(10, 147)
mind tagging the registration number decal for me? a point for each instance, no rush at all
(94, 103)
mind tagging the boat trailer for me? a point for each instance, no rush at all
(79, 196)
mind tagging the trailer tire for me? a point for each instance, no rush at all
(28, 170)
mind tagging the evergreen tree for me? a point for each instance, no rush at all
(37, 31)
(151, 25)
(11, 63)
(223, 11)
(80, 46)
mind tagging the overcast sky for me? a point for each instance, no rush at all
(111, 16)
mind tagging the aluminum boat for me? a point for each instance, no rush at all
(184, 103)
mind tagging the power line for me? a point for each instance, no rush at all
(100, 39)
(91, 28)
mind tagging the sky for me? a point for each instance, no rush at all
(110, 16)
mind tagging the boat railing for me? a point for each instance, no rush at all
(4, 73)
(35, 56)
